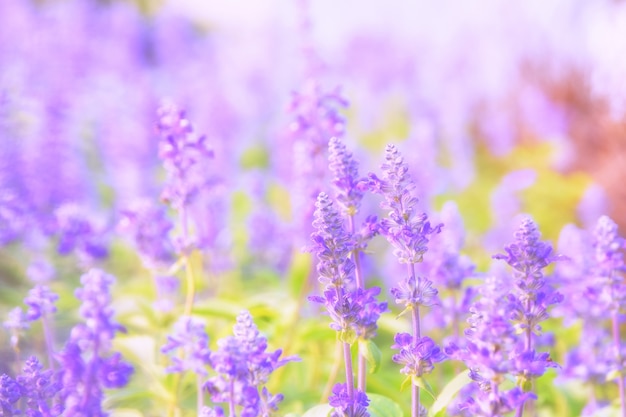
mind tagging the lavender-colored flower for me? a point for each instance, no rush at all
(609, 263)
(184, 155)
(418, 358)
(40, 271)
(243, 366)
(345, 177)
(495, 403)
(344, 406)
(40, 301)
(10, 393)
(414, 292)
(40, 388)
(528, 256)
(188, 347)
(79, 233)
(147, 226)
(405, 229)
(87, 365)
(15, 322)
(211, 412)
(332, 245)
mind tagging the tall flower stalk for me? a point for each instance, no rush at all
(353, 310)
(348, 196)
(529, 300)
(184, 154)
(408, 232)
(609, 271)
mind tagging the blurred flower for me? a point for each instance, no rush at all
(188, 347)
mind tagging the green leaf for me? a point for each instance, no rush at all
(423, 384)
(381, 406)
(447, 394)
(407, 381)
(321, 410)
(372, 354)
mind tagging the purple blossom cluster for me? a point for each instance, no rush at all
(241, 366)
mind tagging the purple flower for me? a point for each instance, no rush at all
(345, 177)
(39, 387)
(414, 292)
(184, 155)
(405, 229)
(40, 301)
(10, 393)
(495, 403)
(528, 256)
(211, 412)
(79, 233)
(332, 245)
(344, 406)
(418, 357)
(148, 227)
(188, 346)
(243, 365)
(87, 365)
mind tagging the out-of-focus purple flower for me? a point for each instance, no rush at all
(316, 120)
(211, 412)
(40, 301)
(16, 321)
(166, 291)
(79, 233)
(39, 387)
(10, 393)
(418, 358)
(87, 365)
(495, 403)
(190, 338)
(344, 406)
(148, 227)
(407, 230)
(40, 271)
(345, 179)
(184, 154)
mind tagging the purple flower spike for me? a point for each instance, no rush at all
(189, 337)
(184, 155)
(405, 229)
(345, 177)
(40, 301)
(39, 387)
(528, 256)
(346, 407)
(418, 358)
(332, 245)
(148, 227)
(10, 393)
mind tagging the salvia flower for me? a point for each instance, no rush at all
(407, 230)
(413, 292)
(87, 364)
(609, 264)
(10, 393)
(418, 358)
(344, 406)
(243, 367)
(40, 388)
(40, 301)
(332, 245)
(184, 154)
(188, 346)
(345, 177)
(148, 227)
(79, 233)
